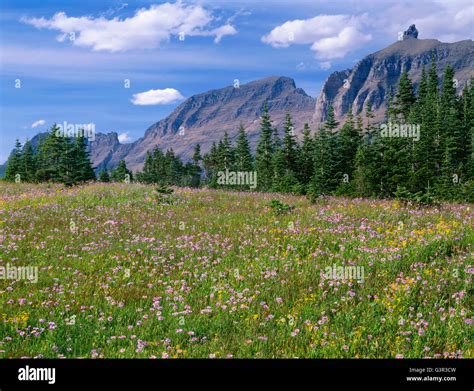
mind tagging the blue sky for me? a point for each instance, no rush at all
(72, 57)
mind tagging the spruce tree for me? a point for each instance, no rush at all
(348, 141)
(14, 169)
(210, 163)
(148, 175)
(264, 154)
(51, 155)
(82, 166)
(29, 162)
(306, 162)
(121, 173)
(405, 96)
(243, 156)
(104, 176)
(194, 170)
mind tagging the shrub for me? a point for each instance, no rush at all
(279, 207)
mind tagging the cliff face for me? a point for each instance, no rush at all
(372, 79)
(203, 119)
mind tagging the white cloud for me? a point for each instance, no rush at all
(146, 29)
(330, 36)
(222, 31)
(341, 44)
(157, 97)
(124, 138)
(40, 122)
(325, 65)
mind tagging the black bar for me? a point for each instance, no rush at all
(222, 373)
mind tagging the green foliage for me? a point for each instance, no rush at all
(14, 167)
(279, 207)
(264, 153)
(419, 198)
(56, 159)
(164, 189)
(121, 173)
(163, 194)
(104, 176)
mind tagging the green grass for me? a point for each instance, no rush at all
(220, 274)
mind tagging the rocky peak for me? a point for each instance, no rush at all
(412, 32)
(376, 76)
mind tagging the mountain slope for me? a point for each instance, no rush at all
(376, 75)
(203, 118)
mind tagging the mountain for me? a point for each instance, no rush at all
(203, 118)
(377, 74)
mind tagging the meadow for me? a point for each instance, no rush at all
(124, 272)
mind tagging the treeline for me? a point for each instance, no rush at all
(55, 159)
(58, 159)
(168, 169)
(424, 149)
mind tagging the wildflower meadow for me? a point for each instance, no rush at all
(121, 271)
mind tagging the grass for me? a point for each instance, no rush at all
(219, 274)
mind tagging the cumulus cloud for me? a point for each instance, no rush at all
(146, 29)
(157, 97)
(40, 122)
(445, 20)
(330, 36)
(124, 138)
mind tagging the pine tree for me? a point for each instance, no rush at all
(174, 168)
(82, 166)
(323, 181)
(197, 155)
(210, 163)
(158, 170)
(454, 132)
(348, 141)
(468, 108)
(226, 153)
(286, 160)
(264, 154)
(104, 176)
(368, 170)
(405, 96)
(14, 170)
(331, 124)
(148, 175)
(243, 156)
(290, 146)
(29, 162)
(423, 162)
(194, 170)
(121, 173)
(51, 156)
(306, 162)
(423, 87)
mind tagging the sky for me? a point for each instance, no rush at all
(122, 66)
